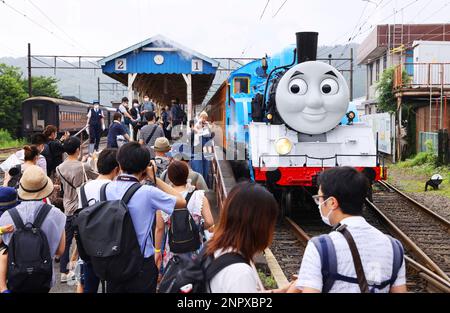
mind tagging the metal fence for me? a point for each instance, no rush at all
(424, 137)
(423, 75)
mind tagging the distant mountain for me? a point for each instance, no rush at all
(83, 83)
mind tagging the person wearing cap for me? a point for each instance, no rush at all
(96, 124)
(33, 188)
(161, 148)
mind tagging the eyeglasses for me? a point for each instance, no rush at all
(316, 198)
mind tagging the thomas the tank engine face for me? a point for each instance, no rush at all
(312, 97)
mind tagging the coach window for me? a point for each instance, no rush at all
(241, 85)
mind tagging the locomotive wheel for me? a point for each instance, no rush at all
(286, 203)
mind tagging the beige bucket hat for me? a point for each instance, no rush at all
(34, 184)
(162, 145)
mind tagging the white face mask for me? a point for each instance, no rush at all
(325, 219)
(136, 105)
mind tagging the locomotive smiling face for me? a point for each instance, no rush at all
(312, 97)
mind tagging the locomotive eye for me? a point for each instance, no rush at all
(298, 86)
(329, 87)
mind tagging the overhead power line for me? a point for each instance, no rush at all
(279, 9)
(54, 24)
(264, 10)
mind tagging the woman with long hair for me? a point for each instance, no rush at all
(246, 227)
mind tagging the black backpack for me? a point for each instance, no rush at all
(184, 233)
(184, 275)
(29, 260)
(109, 239)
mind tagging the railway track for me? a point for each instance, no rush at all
(423, 233)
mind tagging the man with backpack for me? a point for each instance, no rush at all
(150, 132)
(116, 233)
(89, 194)
(355, 257)
(73, 173)
(37, 238)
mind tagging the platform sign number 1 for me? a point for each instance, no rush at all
(121, 64)
(197, 65)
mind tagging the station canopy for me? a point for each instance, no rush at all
(163, 70)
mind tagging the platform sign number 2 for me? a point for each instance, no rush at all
(197, 65)
(121, 64)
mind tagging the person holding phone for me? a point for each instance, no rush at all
(53, 149)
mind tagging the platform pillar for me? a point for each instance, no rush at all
(188, 80)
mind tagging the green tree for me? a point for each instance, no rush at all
(387, 102)
(11, 96)
(42, 86)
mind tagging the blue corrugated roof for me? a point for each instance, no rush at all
(177, 59)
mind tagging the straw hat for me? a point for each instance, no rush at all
(34, 184)
(162, 145)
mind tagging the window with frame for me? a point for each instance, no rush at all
(370, 69)
(377, 70)
(241, 85)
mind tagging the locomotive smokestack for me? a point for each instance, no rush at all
(306, 46)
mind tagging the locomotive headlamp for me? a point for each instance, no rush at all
(269, 117)
(283, 146)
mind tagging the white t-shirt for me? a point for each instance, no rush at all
(122, 108)
(92, 190)
(236, 278)
(375, 250)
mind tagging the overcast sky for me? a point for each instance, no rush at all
(216, 28)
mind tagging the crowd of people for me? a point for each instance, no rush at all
(131, 220)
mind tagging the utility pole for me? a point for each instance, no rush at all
(30, 92)
(351, 74)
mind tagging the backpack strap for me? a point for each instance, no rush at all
(83, 198)
(151, 134)
(103, 192)
(15, 216)
(69, 183)
(398, 258)
(43, 212)
(164, 176)
(360, 275)
(189, 196)
(130, 192)
(328, 259)
(221, 262)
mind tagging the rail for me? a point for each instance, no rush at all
(442, 220)
(219, 182)
(408, 242)
(422, 75)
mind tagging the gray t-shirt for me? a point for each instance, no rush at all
(72, 178)
(53, 225)
(145, 133)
